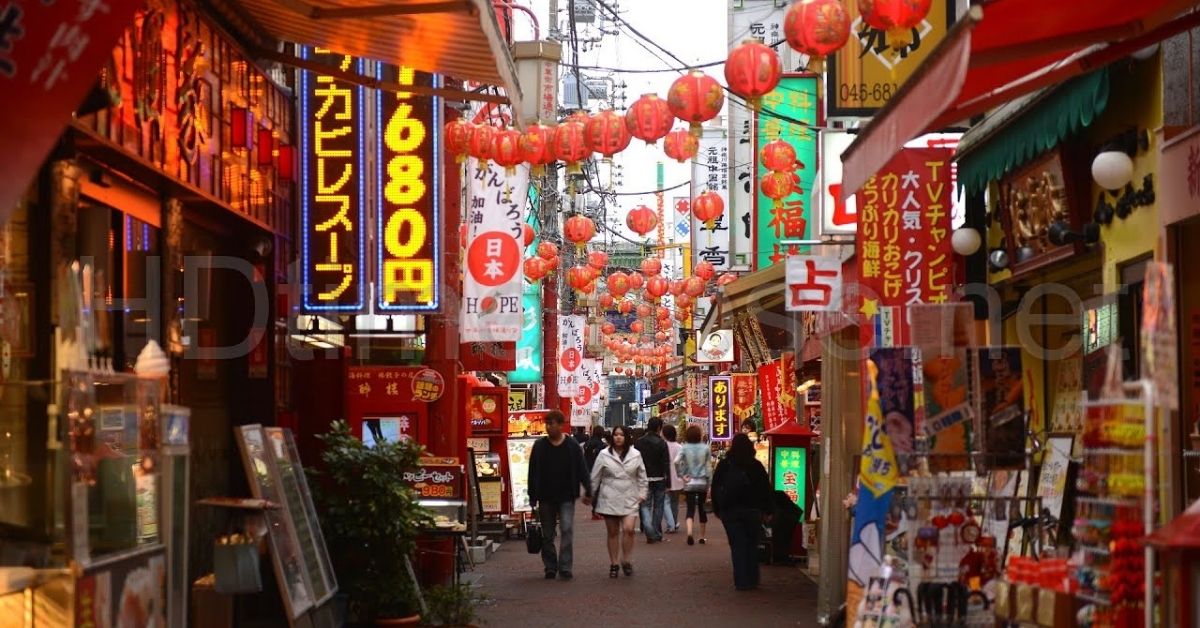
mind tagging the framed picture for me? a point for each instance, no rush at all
(812, 396)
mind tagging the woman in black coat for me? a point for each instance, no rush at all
(742, 499)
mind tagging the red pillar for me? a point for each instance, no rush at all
(550, 342)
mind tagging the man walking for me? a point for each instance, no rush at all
(556, 471)
(657, 458)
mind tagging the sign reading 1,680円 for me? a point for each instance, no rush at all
(333, 218)
(409, 219)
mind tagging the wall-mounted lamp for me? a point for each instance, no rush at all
(966, 241)
(1104, 212)
(264, 148)
(1060, 233)
(1112, 168)
(1025, 253)
(240, 123)
(998, 260)
(285, 168)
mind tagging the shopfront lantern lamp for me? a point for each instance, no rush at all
(240, 122)
(579, 230)
(752, 71)
(641, 220)
(966, 241)
(285, 166)
(506, 150)
(570, 144)
(264, 149)
(1112, 169)
(778, 156)
(458, 138)
(695, 98)
(708, 206)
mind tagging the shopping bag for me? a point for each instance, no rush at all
(533, 538)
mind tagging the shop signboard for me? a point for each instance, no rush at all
(529, 347)
(428, 385)
(492, 277)
(527, 423)
(745, 394)
(720, 407)
(389, 402)
(519, 451)
(716, 347)
(488, 356)
(791, 473)
(333, 218)
(518, 400)
(408, 217)
(570, 353)
(814, 283)
(838, 217)
(790, 113)
(437, 480)
(710, 173)
(488, 410)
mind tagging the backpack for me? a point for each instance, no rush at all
(733, 489)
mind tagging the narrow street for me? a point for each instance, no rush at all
(672, 585)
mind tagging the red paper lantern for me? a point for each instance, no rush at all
(578, 277)
(606, 301)
(483, 138)
(588, 287)
(598, 259)
(677, 287)
(816, 28)
(537, 147)
(637, 327)
(726, 279)
(264, 148)
(649, 118)
(527, 234)
(535, 268)
(547, 250)
(641, 220)
(778, 156)
(696, 98)
(458, 138)
(618, 284)
(705, 271)
(681, 145)
(241, 120)
(644, 310)
(663, 324)
(286, 167)
(693, 286)
(625, 307)
(636, 280)
(506, 150)
(897, 18)
(579, 229)
(606, 133)
(593, 272)
(661, 336)
(752, 70)
(608, 329)
(684, 301)
(662, 313)
(708, 207)
(777, 186)
(553, 262)
(651, 267)
(657, 286)
(570, 144)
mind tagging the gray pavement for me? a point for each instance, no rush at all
(673, 585)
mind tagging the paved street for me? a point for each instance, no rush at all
(673, 585)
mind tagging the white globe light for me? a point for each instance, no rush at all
(966, 241)
(1112, 169)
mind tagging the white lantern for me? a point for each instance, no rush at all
(966, 241)
(1112, 169)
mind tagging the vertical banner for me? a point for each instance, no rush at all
(570, 354)
(838, 217)
(790, 113)
(720, 407)
(529, 347)
(492, 277)
(710, 173)
(897, 401)
(697, 395)
(745, 393)
(333, 216)
(1002, 405)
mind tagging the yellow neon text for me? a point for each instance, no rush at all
(406, 230)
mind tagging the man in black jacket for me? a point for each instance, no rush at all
(657, 459)
(556, 471)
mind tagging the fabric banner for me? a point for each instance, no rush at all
(710, 173)
(877, 478)
(586, 399)
(897, 401)
(768, 385)
(745, 394)
(570, 354)
(697, 395)
(492, 277)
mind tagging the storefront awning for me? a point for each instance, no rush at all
(762, 288)
(457, 38)
(1001, 50)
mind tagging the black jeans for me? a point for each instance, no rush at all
(695, 501)
(743, 528)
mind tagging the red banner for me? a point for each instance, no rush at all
(744, 396)
(488, 356)
(775, 410)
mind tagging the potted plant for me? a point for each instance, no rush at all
(371, 519)
(451, 605)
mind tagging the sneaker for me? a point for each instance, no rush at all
(703, 541)
(565, 575)
(550, 575)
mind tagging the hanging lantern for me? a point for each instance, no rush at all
(637, 327)
(579, 229)
(537, 147)
(778, 156)
(608, 329)
(641, 220)
(777, 186)
(241, 120)
(897, 18)
(752, 70)
(649, 118)
(684, 301)
(535, 268)
(527, 234)
(553, 262)
(662, 313)
(693, 286)
(681, 315)
(598, 259)
(676, 287)
(816, 28)
(578, 277)
(726, 279)
(704, 271)
(644, 310)
(483, 138)
(606, 301)
(657, 286)
(606, 133)
(625, 307)
(636, 280)
(661, 336)
(547, 250)
(285, 167)
(651, 267)
(570, 145)
(663, 324)
(593, 272)
(506, 150)
(618, 284)
(696, 98)
(708, 207)
(681, 146)
(458, 138)
(588, 287)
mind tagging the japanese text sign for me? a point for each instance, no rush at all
(838, 217)
(378, 385)
(745, 394)
(720, 407)
(492, 278)
(710, 173)
(790, 113)
(50, 56)
(428, 385)
(408, 223)
(791, 473)
(529, 347)
(436, 481)
(904, 228)
(570, 354)
(332, 207)
(488, 410)
(775, 410)
(814, 284)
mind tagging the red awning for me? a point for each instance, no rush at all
(1000, 50)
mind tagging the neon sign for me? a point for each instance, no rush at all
(332, 212)
(408, 221)
(720, 403)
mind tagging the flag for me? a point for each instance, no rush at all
(877, 477)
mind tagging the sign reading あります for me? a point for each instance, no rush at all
(720, 406)
(409, 243)
(492, 281)
(814, 284)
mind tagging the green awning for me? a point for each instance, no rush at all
(1025, 128)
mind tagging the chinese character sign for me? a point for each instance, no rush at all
(814, 284)
(775, 410)
(408, 223)
(791, 473)
(745, 393)
(492, 277)
(529, 347)
(332, 208)
(790, 113)
(904, 229)
(570, 354)
(720, 407)
(710, 173)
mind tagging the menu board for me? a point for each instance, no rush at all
(440, 480)
(294, 584)
(299, 503)
(491, 482)
(519, 451)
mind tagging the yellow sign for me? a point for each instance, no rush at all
(517, 400)
(866, 73)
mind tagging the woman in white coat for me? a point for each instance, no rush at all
(620, 485)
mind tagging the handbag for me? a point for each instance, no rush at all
(596, 496)
(533, 538)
